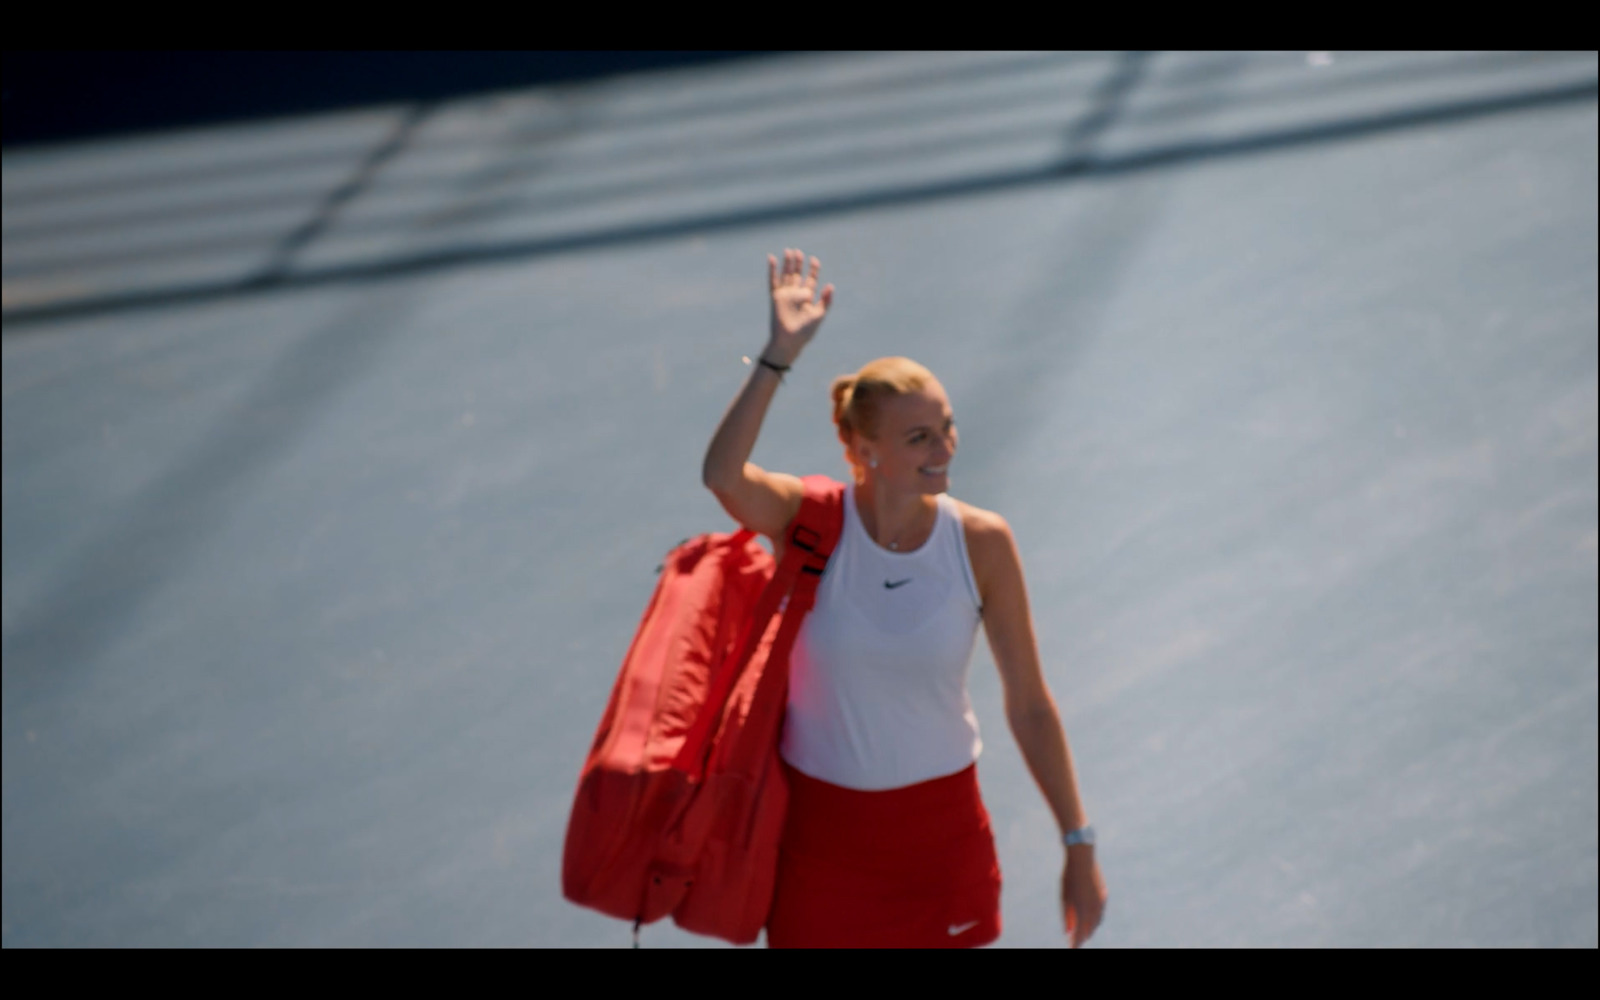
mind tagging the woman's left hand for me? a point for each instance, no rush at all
(1083, 893)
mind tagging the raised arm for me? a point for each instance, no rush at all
(760, 500)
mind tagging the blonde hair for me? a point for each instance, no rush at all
(856, 398)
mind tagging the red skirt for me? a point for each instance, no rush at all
(911, 867)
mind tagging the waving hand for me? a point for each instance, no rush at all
(797, 312)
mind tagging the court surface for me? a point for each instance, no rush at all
(338, 453)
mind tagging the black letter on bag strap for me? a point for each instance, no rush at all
(810, 542)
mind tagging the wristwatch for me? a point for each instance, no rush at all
(1083, 835)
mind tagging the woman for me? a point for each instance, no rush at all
(887, 842)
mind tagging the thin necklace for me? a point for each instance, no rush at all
(895, 545)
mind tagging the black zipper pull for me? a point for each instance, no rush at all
(663, 564)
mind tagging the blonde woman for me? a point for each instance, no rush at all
(887, 842)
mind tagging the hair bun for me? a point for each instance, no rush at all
(857, 398)
(842, 389)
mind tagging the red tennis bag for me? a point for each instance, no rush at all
(681, 802)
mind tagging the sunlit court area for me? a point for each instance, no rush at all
(340, 449)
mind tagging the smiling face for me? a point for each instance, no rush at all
(916, 439)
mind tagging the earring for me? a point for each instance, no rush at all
(873, 463)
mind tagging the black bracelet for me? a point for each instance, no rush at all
(780, 369)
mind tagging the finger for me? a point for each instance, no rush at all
(1081, 929)
(1094, 922)
(816, 268)
(772, 271)
(827, 297)
(789, 266)
(1090, 924)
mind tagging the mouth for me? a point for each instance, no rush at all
(934, 470)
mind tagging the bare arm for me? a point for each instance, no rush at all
(760, 500)
(1030, 709)
(1032, 716)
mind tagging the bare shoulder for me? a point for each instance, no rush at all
(760, 500)
(990, 545)
(981, 525)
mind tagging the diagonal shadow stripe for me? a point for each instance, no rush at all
(283, 256)
(1069, 168)
(742, 101)
(163, 528)
(501, 197)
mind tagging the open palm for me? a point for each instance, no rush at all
(797, 311)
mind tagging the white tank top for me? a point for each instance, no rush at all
(878, 675)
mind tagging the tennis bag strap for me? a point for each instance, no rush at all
(808, 542)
